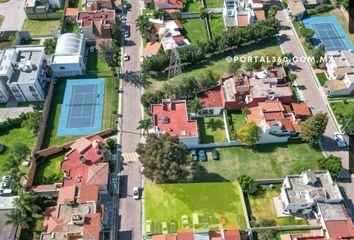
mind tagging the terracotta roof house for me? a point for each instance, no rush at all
(92, 5)
(248, 91)
(300, 109)
(77, 215)
(151, 49)
(96, 24)
(171, 117)
(86, 163)
(296, 9)
(169, 5)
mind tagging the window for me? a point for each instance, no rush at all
(15, 90)
(62, 68)
(31, 88)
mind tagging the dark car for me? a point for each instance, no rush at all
(215, 154)
(194, 155)
(202, 156)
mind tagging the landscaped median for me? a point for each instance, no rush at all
(211, 204)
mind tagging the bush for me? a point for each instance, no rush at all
(248, 184)
(345, 101)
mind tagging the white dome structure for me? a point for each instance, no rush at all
(69, 44)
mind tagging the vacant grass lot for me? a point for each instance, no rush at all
(342, 108)
(10, 137)
(216, 24)
(40, 27)
(194, 30)
(322, 78)
(258, 210)
(169, 202)
(236, 121)
(264, 161)
(214, 3)
(211, 129)
(216, 64)
(48, 170)
(192, 6)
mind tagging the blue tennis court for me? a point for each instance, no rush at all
(328, 32)
(82, 108)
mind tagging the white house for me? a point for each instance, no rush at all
(239, 13)
(300, 193)
(68, 59)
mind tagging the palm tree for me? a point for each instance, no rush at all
(196, 105)
(143, 24)
(18, 217)
(145, 124)
(28, 201)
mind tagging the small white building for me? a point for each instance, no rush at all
(300, 193)
(68, 59)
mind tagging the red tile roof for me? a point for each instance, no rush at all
(340, 229)
(88, 193)
(270, 116)
(260, 15)
(178, 123)
(66, 195)
(169, 4)
(212, 97)
(49, 213)
(45, 188)
(185, 236)
(92, 226)
(178, 38)
(179, 24)
(287, 125)
(301, 109)
(242, 20)
(71, 12)
(232, 235)
(271, 106)
(98, 174)
(152, 48)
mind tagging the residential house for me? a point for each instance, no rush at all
(240, 13)
(77, 215)
(93, 5)
(44, 9)
(171, 6)
(340, 70)
(87, 163)
(68, 59)
(151, 49)
(24, 74)
(235, 93)
(171, 117)
(168, 33)
(301, 193)
(231, 234)
(296, 9)
(272, 118)
(96, 24)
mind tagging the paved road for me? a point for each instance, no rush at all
(13, 13)
(308, 88)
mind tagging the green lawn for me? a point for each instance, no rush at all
(40, 27)
(274, 160)
(169, 202)
(192, 6)
(211, 129)
(194, 30)
(259, 212)
(9, 42)
(322, 78)
(214, 3)
(236, 120)
(216, 64)
(307, 46)
(10, 137)
(48, 170)
(216, 24)
(342, 108)
(97, 66)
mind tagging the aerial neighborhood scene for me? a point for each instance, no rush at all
(176, 119)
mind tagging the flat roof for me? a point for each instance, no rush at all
(332, 211)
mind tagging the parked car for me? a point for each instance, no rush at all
(148, 227)
(6, 192)
(215, 154)
(185, 222)
(126, 57)
(4, 185)
(92, 49)
(5, 178)
(127, 6)
(194, 155)
(340, 139)
(127, 33)
(201, 154)
(136, 193)
(164, 228)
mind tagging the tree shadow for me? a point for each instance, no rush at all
(215, 124)
(201, 174)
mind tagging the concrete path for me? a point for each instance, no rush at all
(13, 112)
(308, 88)
(13, 13)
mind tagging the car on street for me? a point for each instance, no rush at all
(127, 34)
(164, 228)
(6, 192)
(339, 139)
(126, 57)
(215, 154)
(136, 193)
(194, 155)
(127, 6)
(201, 155)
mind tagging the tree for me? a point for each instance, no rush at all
(249, 134)
(348, 124)
(253, 65)
(314, 127)
(248, 184)
(203, 12)
(144, 124)
(292, 77)
(18, 218)
(273, 11)
(319, 54)
(143, 24)
(49, 46)
(332, 163)
(20, 150)
(110, 55)
(33, 121)
(234, 67)
(307, 33)
(196, 105)
(165, 159)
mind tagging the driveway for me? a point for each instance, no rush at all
(308, 87)
(13, 13)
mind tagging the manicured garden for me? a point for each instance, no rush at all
(48, 170)
(9, 138)
(275, 161)
(40, 27)
(216, 24)
(192, 6)
(211, 129)
(260, 213)
(322, 78)
(194, 30)
(236, 120)
(216, 201)
(214, 3)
